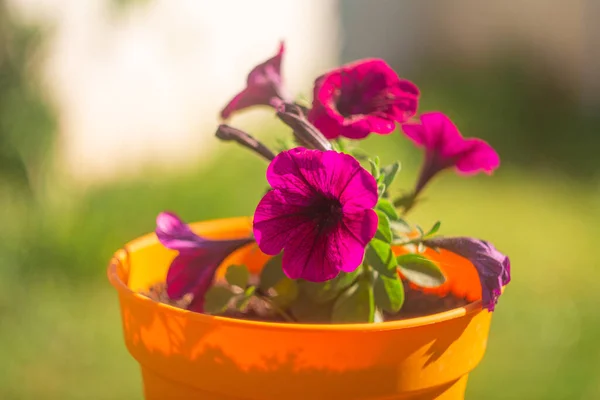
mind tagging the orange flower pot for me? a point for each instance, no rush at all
(186, 355)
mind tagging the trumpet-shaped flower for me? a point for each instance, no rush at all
(193, 269)
(362, 97)
(319, 212)
(445, 147)
(492, 266)
(264, 83)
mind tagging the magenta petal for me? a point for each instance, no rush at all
(285, 173)
(189, 272)
(307, 256)
(362, 97)
(445, 147)
(269, 71)
(339, 176)
(330, 126)
(359, 192)
(319, 212)
(381, 125)
(193, 269)
(356, 232)
(319, 257)
(174, 234)
(478, 156)
(274, 220)
(357, 127)
(492, 266)
(248, 97)
(263, 84)
(416, 133)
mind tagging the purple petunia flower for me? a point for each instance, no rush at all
(362, 97)
(264, 83)
(319, 212)
(193, 269)
(445, 147)
(492, 266)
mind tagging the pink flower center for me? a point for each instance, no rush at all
(326, 212)
(353, 100)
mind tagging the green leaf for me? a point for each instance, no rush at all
(271, 273)
(341, 144)
(381, 189)
(404, 201)
(389, 293)
(359, 154)
(434, 229)
(379, 255)
(388, 209)
(384, 232)
(237, 275)
(374, 167)
(400, 226)
(355, 304)
(287, 292)
(326, 291)
(390, 172)
(306, 311)
(216, 299)
(242, 303)
(420, 270)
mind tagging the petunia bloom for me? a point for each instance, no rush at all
(193, 269)
(319, 212)
(362, 97)
(264, 83)
(445, 147)
(492, 266)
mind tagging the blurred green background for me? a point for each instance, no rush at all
(60, 333)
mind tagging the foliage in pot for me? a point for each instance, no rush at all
(329, 277)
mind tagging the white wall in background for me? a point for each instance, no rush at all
(146, 85)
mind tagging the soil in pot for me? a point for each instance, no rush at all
(416, 304)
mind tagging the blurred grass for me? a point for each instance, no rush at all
(60, 330)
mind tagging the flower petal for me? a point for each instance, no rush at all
(189, 272)
(359, 191)
(174, 234)
(319, 212)
(269, 71)
(263, 84)
(275, 218)
(362, 97)
(337, 175)
(381, 125)
(478, 156)
(355, 232)
(329, 125)
(249, 97)
(285, 173)
(356, 127)
(193, 271)
(307, 256)
(416, 133)
(492, 266)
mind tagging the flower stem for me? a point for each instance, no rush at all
(411, 241)
(274, 306)
(305, 132)
(228, 133)
(407, 202)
